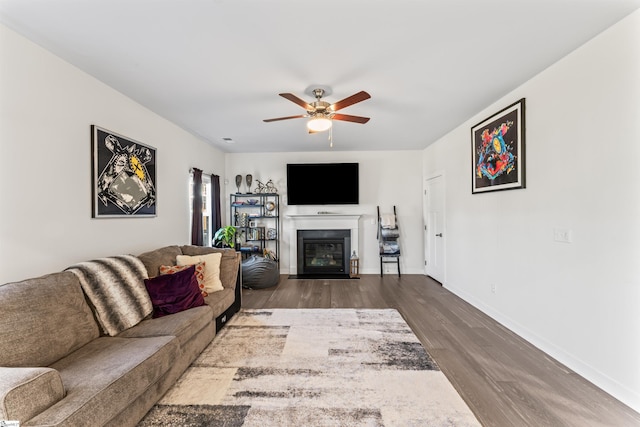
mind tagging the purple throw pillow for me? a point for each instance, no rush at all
(172, 293)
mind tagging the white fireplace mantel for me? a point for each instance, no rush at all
(320, 221)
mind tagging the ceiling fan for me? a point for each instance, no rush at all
(321, 113)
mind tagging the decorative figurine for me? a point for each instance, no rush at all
(249, 181)
(270, 188)
(260, 188)
(238, 182)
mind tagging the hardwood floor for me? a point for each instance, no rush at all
(504, 379)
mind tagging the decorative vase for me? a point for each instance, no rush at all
(244, 220)
(249, 181)
(238, 182)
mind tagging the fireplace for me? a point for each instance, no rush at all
(323, 253)
(321, 221)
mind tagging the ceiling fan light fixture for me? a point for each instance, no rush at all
(319, 124)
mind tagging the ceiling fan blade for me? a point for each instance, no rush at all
(348, 118)
(285, 118)
(291, 97)
(353, 99)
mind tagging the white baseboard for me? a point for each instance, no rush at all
(627, 396)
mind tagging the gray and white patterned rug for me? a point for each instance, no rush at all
(313, 367)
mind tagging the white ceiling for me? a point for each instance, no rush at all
(215, 67)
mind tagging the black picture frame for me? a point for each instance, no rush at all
(123, 176)
(498, 150)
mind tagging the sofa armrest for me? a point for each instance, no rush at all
(25, 392)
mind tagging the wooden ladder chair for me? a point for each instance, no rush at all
(388, 235)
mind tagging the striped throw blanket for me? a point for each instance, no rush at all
(115, 287)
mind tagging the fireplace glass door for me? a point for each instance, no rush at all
(323, 253)
(325, 256)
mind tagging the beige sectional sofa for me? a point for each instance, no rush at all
(59, 368)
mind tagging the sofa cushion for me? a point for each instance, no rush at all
(183, 325)
(173, 293)
(25, 392)
(107, 374)
(229, 264)
(220, 301)
(43, 320)
(152, 260)
(211, 262)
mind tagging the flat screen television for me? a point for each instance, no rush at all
(323, 184)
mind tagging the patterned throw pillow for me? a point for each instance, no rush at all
(172, 269)
(212, 281)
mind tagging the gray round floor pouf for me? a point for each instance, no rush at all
(259, 272)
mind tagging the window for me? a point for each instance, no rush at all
(206, 193)
(207, 232)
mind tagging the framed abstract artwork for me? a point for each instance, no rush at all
(498, 145)
(123, 176)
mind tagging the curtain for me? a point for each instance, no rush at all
(216, 214)
(196, 210)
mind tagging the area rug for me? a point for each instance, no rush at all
(313, 367)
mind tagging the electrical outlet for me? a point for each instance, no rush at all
(562, 235)
(493, 288)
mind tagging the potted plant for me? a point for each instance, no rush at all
(225, 237)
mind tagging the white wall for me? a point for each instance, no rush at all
(579, 301)
(46, 110)
(386, 178)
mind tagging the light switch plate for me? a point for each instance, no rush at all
(563, 235)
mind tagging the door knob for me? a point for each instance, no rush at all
(439, 235)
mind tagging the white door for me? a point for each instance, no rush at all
(434, 228)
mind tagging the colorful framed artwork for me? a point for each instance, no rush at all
(498, 145)
(123, 176)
